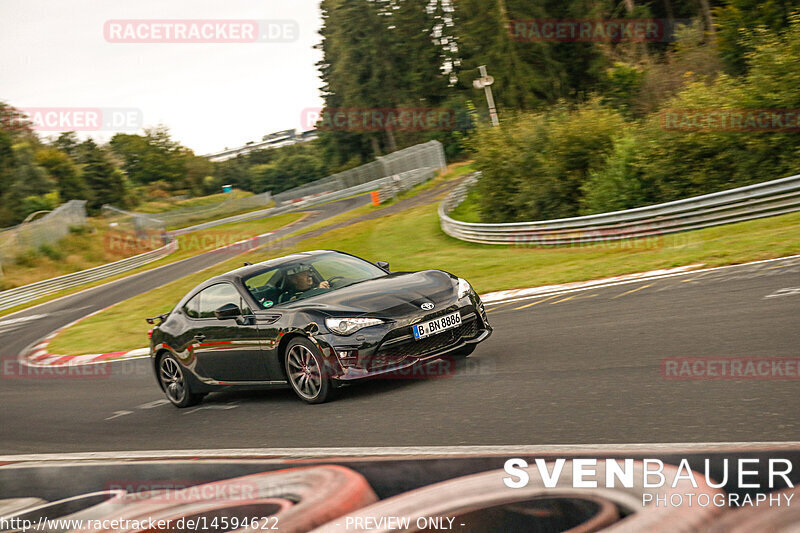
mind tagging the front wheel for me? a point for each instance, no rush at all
(305, 370)
(174, 383)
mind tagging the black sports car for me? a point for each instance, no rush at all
(312, 321)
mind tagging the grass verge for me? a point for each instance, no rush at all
(468, 210)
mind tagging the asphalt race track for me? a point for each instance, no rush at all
(583, 367)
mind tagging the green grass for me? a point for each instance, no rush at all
(412, 240)
(455, 170)
(467, 210)
(164, 206)
(82, 248)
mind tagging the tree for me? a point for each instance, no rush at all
(69, 182)
(6, 179)
(151, 157)
(68, 143)
(29, 178)
(737, 19)
(285, 173)
(377, 55)
(107, 183)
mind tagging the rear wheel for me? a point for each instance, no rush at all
(175, 384)
(306, 372)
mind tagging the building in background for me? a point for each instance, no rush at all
(272, 140)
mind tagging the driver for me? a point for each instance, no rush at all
(301, 280)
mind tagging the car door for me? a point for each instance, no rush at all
(229, 349)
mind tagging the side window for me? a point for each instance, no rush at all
(215, 297)
(192, 307)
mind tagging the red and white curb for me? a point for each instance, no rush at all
(39, 355)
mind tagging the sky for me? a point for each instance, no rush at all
(54, 54)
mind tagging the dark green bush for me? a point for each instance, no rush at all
(535, 165)
(51, 252)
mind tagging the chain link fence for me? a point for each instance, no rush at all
(46, 230)
(399, 183)
(131, 223)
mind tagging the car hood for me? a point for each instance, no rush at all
(398, 294)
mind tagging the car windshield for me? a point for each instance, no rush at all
(307, 277)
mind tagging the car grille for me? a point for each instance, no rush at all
(397, 352)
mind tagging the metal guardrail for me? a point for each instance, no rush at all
(735, 205)
(27, 293)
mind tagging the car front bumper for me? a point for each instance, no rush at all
(378, 351)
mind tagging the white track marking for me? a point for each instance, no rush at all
(496, 298)
(381, 451)
(213, 407)
(153, 404)
(118, 414)
(14, 323)
(788, 291)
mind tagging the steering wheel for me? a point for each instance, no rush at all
(333, 279)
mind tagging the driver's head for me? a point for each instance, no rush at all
(300, 277)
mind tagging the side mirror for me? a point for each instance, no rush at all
(228, 311)
(382, 264)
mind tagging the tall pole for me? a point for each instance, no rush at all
(486, 82)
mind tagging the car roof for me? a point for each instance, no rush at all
(248, 270)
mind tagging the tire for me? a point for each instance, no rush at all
(174, 383)
(294, 500)
(306, 371)
(464, 351)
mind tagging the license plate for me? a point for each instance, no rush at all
(437, 325)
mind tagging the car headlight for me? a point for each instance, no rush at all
(346, 326)
(463, 288)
